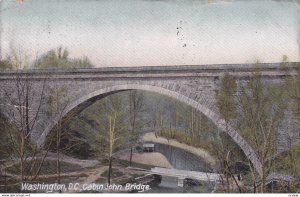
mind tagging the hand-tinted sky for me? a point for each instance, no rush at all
(153, 32)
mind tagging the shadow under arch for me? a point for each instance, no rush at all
(215, 118)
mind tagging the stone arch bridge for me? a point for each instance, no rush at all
(28, 91)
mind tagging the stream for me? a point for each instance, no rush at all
(182, 160)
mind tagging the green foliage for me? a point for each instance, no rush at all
(88, 128)
(110, 133)
(6, 65)
(59, 58)
(115, 173)
(83, 135)
(293, 87)
(283, 163)
(181, 137)
(285, 58)
(74, 137)
(14, 61)
(262, 110)
(109, 138)
(282, 65)
(225, 97)
(136, 108)
(226, 148)
(48, 167)
(82, 63)
(211, 143)
(8, 139)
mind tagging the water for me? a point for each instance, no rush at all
(181, 160)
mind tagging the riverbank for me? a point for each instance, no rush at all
(149, 158)
(150, 137)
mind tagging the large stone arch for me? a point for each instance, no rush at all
(214, 117)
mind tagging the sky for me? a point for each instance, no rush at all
(114, 33)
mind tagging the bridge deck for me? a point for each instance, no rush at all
(182, 174)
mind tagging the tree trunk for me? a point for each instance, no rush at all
(263, 179)
(133, 116)
(22, 157)
(253, 177)
(130, 160)
(232, 176)
(27, 107)
(109, 170)
(227, 177)
(58, 133)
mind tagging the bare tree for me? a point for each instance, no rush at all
(262, 106)
(110, 135)
(227, 108)
(23, 105)
(292, 87)
(135, 109)
(112, 138)
(58, 102)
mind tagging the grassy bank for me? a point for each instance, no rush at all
(48, 167)
(288, 162)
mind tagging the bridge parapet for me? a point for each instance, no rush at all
(210, 71)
